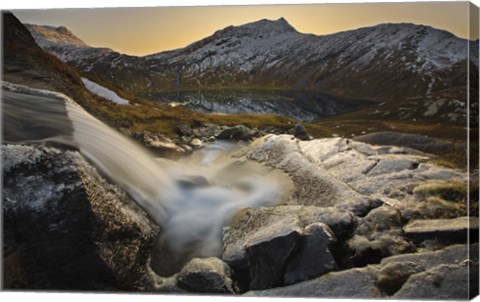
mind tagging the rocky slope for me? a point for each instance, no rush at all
(385, 221)
(384, 62)
(24, 62)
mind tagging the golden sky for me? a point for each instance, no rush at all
(141, 31)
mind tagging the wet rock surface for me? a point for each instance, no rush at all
(67, 228)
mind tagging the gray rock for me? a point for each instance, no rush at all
(159, 143)
(193, 181)
(392, 276)
(300, 132)
(378, 235)
(353, 283)
(210, 275)
(444, 282)
(362, 207)
(313, 258)
(184, 130)
(246, 224)
(196, 143)
(314, 185)
(454, 254)
(253, 226)
(70, 229)
(239, 132)
(444, 231)
(268, 253)
(416, 141)
(254, 235)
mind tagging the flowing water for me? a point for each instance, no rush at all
(191, 198)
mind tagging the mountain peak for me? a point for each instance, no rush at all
(264, 27)
(48, 36)
(278, 26)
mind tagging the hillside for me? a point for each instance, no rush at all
(383, 63)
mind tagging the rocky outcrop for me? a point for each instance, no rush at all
(441, 283)
(354, 283)
(441, 275)
(210, 275)
(416, 141)
(239, 132)
(443, 231)
(300, 132)
(284, 244)
(314, 257)
(160, 144)
(313, 184)
(67, 228)
(344, 232)
(378, 235)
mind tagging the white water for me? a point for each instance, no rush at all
(191, 199)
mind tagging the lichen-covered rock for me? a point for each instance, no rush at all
(403, 275)
(353, 283)
(443, 231)
(392, 276)
(209, 275)
(69, 228)
(378, 235)
(454, 254)
(444, 282)
(239, 132)
(313, 257)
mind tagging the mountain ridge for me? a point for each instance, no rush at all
(383, 62)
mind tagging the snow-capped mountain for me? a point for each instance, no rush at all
(383, 62)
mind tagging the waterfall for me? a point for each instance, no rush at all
(191, 198)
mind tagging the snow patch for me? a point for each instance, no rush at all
(104, 92)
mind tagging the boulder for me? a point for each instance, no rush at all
(443, 231)
(207, 130)
(264, 241)
(396, 270)
(378, 235)
(300, 132)
(313, 257)
(392, 276)
(239, 132)
(158, 143)
(444, 282)
(246, 224)
(184, 130)
(352, 283)
(68, 228)
(261, 241)
(209, 275)
(268, 252)
(196, 143)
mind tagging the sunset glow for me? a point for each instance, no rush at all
(142, 31)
